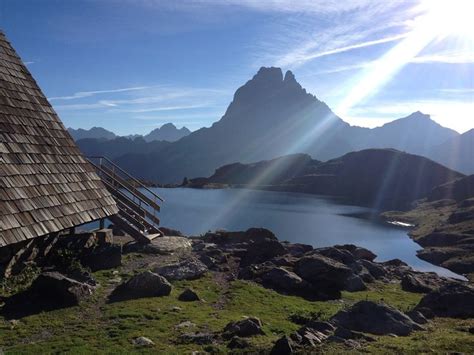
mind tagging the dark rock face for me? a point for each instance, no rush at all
(327, 274)
(189, 269)
(283, 346)
(454, 301)
(146, 284)
(188, 295)
(50, 290)
(238, 343)
(244, 328)
(379, 319)
(102, 258)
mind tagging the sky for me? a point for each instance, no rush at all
(132, 65)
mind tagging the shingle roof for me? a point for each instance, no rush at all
(46, 184)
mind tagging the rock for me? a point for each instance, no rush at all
(326, 274)
(161, 245)
(311, 337)
(440, 239)
(358, 252)
(354, 283)
(423, 282)
(104, 236)
(245, 328)
(350, 334)
(188, 269)
(143, 342)
(417, 317)
(453, 301)
(238, 343)
(185, 324)
(379, 319)
(394, 262)
(281, 279)
(297, 249)
(377, 271)
(341, 255)
(170, 232)
(322, 327)
(146, 284)
(49, 291)
(188, 295)
(283, 346)
(461, 216)
(103, 258)
(198, 338)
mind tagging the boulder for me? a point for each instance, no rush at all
(311, 337)
(453, 301)
(245, 328)
(417, 317)
(354, 283)
(143, 342)
(145, 284)
(238, 343)
(49, 291)
(188, 269)
(283, 346)
(423, 282)
(282, 280)
(326, 274)
(103, 258)
(161, 246)
(170, 232)
(379, 319)
(188, 295)
(198, 338)
(341, 255)
(377, 271)
(358, 252)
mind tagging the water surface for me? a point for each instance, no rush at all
(298, 218)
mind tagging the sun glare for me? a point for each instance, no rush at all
(451, 18)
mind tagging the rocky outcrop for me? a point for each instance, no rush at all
(454, 301)
(424, 282)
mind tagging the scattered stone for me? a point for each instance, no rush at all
(283, 346)
(189, 269)
(143, 342)
(245, 328)
(146, 284)
(176, 309)
(379, 319)
(453, 301)
(103, 258)
(311, 337)
(185, 324)
(238, 343)
(188, 295)
(322, 327)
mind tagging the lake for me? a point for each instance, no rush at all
(298, 218)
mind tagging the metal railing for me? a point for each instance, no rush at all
(137, 204)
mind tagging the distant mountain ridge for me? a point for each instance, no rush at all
(379, 178)
(167, 132)
(271, 115)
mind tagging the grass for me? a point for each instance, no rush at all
(98, 327)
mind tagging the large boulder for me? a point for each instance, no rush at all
(454, 301)
(245, 328)
(50, 290)
(358, 252)
(374, 318)
(188, 269)
(283, 280)
(423, 282)
(145, 284)
(328, 275)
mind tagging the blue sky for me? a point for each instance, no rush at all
(131, 66)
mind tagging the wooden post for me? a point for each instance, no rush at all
(72, 230)
(102, 223)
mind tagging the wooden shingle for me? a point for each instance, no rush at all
(46, 184)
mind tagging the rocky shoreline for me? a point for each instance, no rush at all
(258, 258)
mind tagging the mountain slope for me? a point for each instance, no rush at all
(457, 152)
(168, 132)
(94, 132)
(379, 178)
(416, 133)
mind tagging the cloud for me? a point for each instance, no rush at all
(84, 94)
(29, 63)
(166, 108)
(447, 58)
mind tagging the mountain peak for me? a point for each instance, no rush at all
(269, 74)
(289, 76)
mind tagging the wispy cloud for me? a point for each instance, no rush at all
(29, 63)
(84, 94)
(167, 108)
